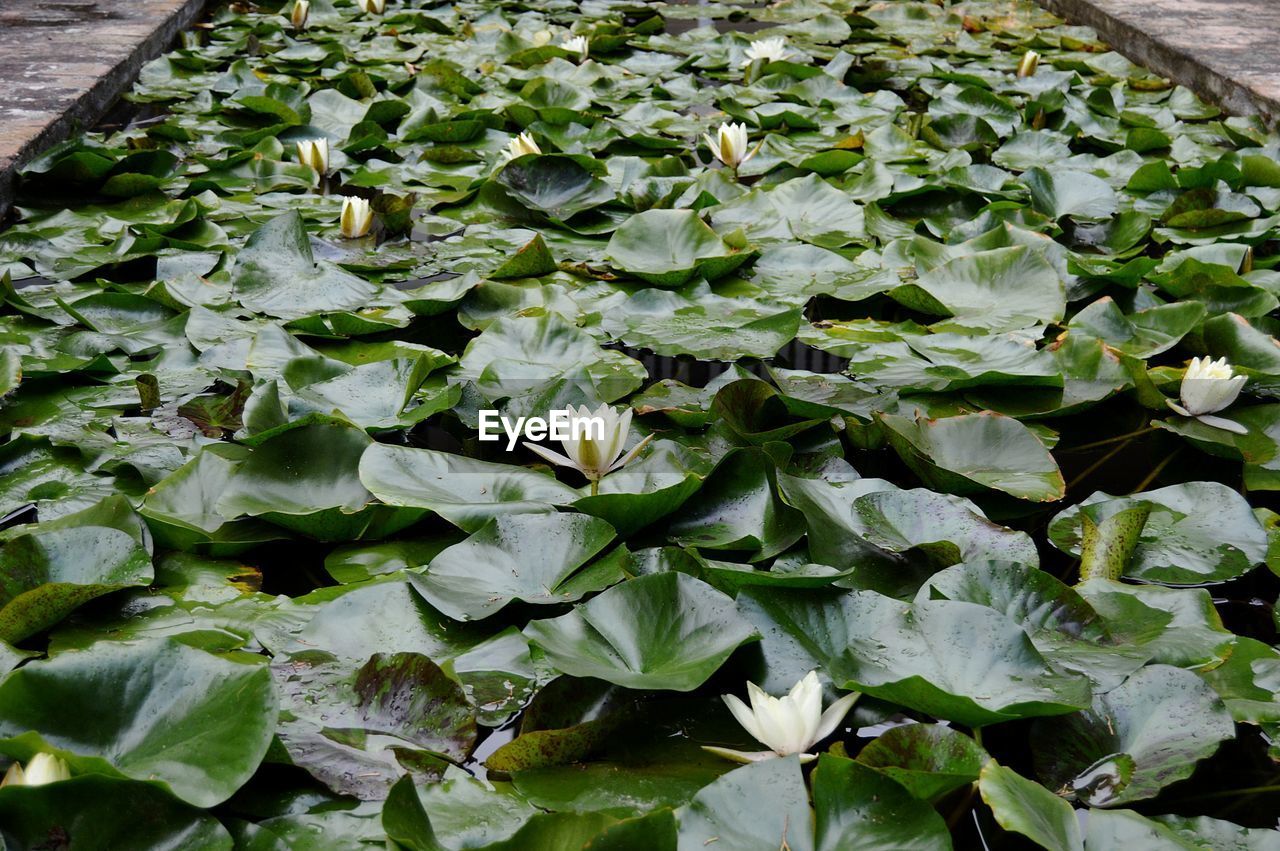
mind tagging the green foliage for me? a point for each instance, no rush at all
(902, 368)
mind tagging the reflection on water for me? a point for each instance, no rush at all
(724, 17)
(697, 373)
(496, 739)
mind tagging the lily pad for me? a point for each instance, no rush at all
(759, 807)
(106, 814)
(953, 660)
(277, 274)
(1194, 533)
(668, 247)
(1002, 289)
(664, 631)
(858, 806)
(1163, 719)
(464, 491)
(930, 760)
(1024, 806)
(194, 723)
(48, 572)
(357, 729)
(531, 557)
(967, 453)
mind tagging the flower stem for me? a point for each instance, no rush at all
(1105, 441)
(1096, 464)
(1159, 468)
(595, 487)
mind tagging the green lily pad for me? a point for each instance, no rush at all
(464, 491)
(556, 185)
(537, 558)
(1024, 806)
(158, 711)
(1002, 289)
(967, 453)
(106, 814)
(858, 806)
(356, 729)
(668, 247)
(930, 760)
(759, 807)
(518, 355)
(1194, 533)
(1163, 719)
(664, 631)
(277, 274)
(1070, 193)
(737, 508)
(694, 321)
(1249, 681)
(953, 660)
(58, 566)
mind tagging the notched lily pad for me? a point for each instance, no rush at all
(664, 631)
(668, 247)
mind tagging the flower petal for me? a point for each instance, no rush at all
(834, 715)
(711, 144)
(752, 152)
(743, 714)
(16, 777)
(807, 698)
(635, 450)
(550, 455)
(773, 721)
(741, 756)
(1223, 423)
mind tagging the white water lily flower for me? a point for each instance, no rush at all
(520, 145)
(1030, 61)
(372, 7)
(301, 9)
(1208, 386)
(315, 153)
(591, 454)
(791, 724)
(42, 769)
(577, 44)
(730, 144)
(769, 49)
(357, 217)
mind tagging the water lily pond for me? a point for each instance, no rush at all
(935, 350)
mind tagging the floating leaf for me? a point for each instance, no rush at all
(953, 660)
(463, 490)
(356, 729)
(974, 451)
(668, 247)
(104, 813)
(530, 557)
(58, 566)
(195, 723)
(1162, 719)
(930, 760)
(861, 807)
(1194, 533)
(665, 631)
(1024, 806)
(759, 807)
(277, 274)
